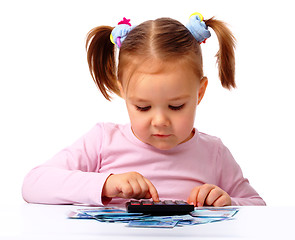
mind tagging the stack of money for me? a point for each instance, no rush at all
(112, 214)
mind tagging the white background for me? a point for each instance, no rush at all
(48, 99)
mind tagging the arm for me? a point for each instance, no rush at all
(230, 187)
(71, 176)
(232, 181)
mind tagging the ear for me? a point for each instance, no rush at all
(122, 93)
(202, 89)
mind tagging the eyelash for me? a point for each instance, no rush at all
(143, 109)
(174, 108)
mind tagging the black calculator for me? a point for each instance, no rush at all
(166, 207)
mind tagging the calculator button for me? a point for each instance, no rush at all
(134, 202)
(169, 202)
(180, 202)
(146, 203)
(159, 203)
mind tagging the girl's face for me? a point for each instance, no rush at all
(161, 99)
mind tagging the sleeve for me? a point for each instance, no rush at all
(71, 176)
(231, 180)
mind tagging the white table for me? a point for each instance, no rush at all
(33, 221)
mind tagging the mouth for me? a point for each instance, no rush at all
(161, 135)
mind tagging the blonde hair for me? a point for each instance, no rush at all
(163, 38)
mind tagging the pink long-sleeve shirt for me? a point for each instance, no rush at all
(77, 173)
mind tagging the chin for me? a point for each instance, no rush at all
(164, 146)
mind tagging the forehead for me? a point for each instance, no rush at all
(155, 77)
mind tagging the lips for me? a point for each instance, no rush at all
(162, 135)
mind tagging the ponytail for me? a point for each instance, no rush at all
(101, 60)
(225, 55)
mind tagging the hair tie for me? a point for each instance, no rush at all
(198, 28)
(120, 32)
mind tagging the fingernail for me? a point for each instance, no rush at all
(156, 200)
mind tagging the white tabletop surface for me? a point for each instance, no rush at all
(33, 221)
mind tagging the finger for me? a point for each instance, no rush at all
(144, 188)
(136, 189)
(213, 195)
(203, 193)
(126, 190)
(223, 200)
(152, 191)
(193, 196)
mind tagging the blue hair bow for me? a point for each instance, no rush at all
(198, 28)
(120, 32)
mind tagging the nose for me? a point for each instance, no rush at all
(160, 119)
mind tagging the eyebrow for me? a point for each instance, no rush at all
(179, 98)
(135, 99)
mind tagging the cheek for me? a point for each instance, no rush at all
(186, 120)
(138, 122)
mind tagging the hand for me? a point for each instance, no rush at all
(129, 185)
(210, 195)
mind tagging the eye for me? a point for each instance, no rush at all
(143, 109)
(176, 108)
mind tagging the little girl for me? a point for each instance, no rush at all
(159, 155)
